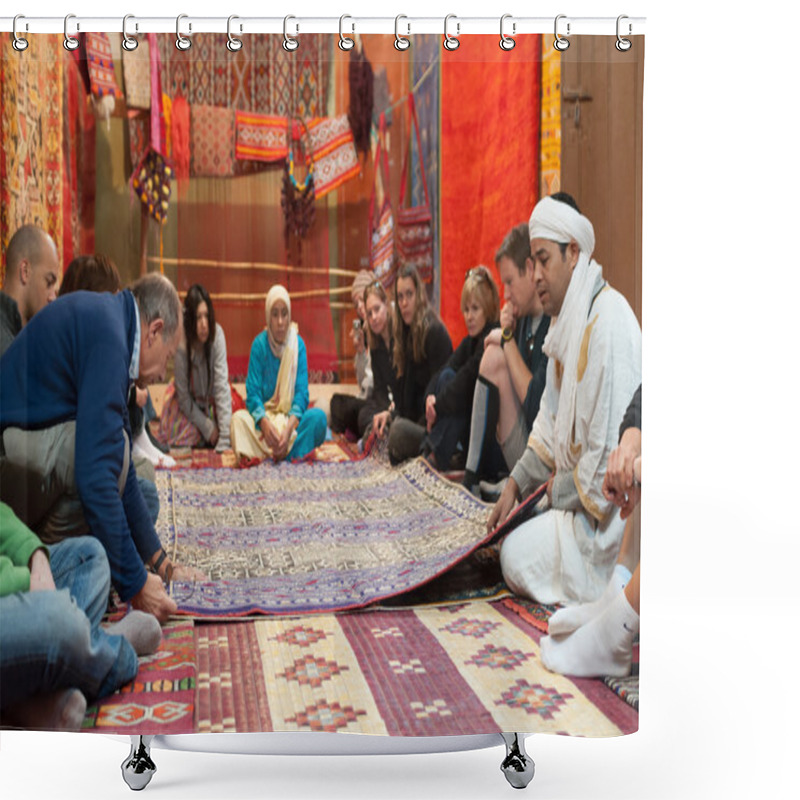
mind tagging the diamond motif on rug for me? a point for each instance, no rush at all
(310, 671)
(133, 714)
(412, 666)
(325, 717)
(300, 636)
(534, 699)
(427, 710)
(499, 657)
(471, 627)
(382, 633)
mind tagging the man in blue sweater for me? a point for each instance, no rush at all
(65, 464)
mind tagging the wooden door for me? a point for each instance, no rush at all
(601, 152)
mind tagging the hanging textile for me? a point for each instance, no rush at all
(490, 147)
(101, 66)
(31, 138)
(136, 73)
(335, 159)
(414, 238)
(213, 135)
(381, 225)
(551, 118)
(260, 137)
(361, 83)
(79, 163)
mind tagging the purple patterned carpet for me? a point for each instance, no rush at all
(311, 537)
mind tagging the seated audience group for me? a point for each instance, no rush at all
(534, 395)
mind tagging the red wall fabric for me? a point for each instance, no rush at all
(489, 156)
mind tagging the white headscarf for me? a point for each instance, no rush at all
(559, 222)
(277, 292)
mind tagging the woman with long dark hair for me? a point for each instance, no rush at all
(197, 408)
(421, 347)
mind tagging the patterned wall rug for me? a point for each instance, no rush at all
(310, 537)
(461, 669)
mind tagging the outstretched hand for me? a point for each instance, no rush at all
(502, 508)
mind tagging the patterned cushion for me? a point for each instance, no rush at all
(213, 141)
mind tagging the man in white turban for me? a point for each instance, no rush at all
(566, 553)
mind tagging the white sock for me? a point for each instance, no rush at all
(601, 647)
(144, 448)
(140, 629)
(567, 620)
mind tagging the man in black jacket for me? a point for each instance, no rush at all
(513, 368)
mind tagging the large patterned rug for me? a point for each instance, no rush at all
(310, 537)
(460, 669)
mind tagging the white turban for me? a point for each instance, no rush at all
(560, 222)
(276, 293)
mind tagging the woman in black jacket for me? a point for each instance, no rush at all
(421, 348)
(380, 340)
(448, 404)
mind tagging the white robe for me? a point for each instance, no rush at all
(568, 556)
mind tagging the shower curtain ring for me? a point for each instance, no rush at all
(290, 43)
(561, 43)
(623, 45)
(70, 42)
(506, 42)
(344, 42)
(233, 44)
(451, 42)
(19, 43)
(400, 42)
(182, 42)
(129, 43)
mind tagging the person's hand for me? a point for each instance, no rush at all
(269, 432)
(141, 397)
(493, 337)
(380, 422)
(153, 599)
(502, 508)
(508, 316)
(618, 480)
(281, 450)
(358, 339)
(187, 574)
(214, 438)
(41, 576)
(430, 411)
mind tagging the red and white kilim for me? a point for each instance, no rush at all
(335, 159)
(260, 137)
(101, 65)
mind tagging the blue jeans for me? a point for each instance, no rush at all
(53, 640)
(447, 431)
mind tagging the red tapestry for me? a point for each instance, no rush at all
(31, 137)
(79, 163)
(489, 156)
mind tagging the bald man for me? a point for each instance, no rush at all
(31, 281)
(567, 553)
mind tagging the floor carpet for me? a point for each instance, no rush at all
(461, 669)
(313, 536)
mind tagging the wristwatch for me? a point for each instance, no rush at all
(506, 336)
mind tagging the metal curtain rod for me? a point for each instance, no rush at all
(567, 26)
